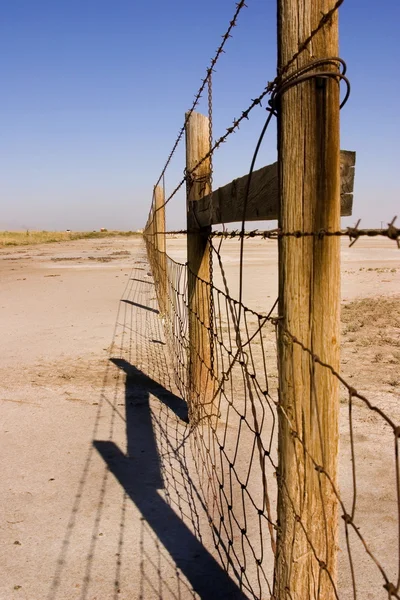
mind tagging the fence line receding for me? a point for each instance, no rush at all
(266, 399)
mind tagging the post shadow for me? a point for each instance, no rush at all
(140, 475)
(132, 303)
(142, 280)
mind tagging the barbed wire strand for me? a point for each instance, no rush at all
(268, 90)
(220, 50)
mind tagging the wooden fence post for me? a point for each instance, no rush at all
(198, 257)
(150, 238)
(309, 309)
(160, 248)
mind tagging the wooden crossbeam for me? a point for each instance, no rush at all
(226, 204)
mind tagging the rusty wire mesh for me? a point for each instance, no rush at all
(235, 444)
(236, 416)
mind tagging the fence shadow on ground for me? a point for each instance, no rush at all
(156, 472)
(155, 525)
(139, 473)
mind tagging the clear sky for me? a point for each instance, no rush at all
(93, 93)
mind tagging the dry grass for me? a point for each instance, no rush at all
(377, 315)
(24, 238)
(371, 341)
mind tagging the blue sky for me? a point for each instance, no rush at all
(95, 91)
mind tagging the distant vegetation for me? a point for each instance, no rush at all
(22, 238)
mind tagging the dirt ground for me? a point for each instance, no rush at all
(94, 503)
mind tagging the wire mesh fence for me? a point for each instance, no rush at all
(260, 400)
(234, 446)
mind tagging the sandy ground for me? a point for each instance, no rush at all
(95, 504)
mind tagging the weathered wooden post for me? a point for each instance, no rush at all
(198, 257)
(160, 248)
(150, 237)
(146, 233)
(309, 305)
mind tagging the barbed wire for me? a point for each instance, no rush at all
(269, 89)
(272, 85)
(222, 139)
(353, 233)
(220, 50)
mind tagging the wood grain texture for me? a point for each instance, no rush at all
(160, 248)
(198, 256)
(226, 204)
(309, 301)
